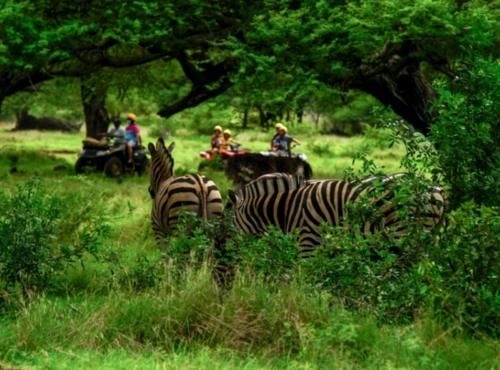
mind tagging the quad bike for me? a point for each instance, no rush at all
(234, 150)
(214, 161)
(112, 158)
(284, 153)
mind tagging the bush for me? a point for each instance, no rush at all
(466, 133)
(192, 242)
(274, 255)
(452, 271)
(42, 234)
(373, 274)
(462, 270)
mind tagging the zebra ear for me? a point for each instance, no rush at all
(160, 141)
(151, 148)
(171, 147)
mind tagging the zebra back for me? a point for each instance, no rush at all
(193, 193)
(173, 195)
(264, 201)
(307, 205)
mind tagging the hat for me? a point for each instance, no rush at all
(284, 129)
(227, 132)
(131, 116)
(278, 126)
(217, 128)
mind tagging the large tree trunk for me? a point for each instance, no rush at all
(25, 121)
(245, 118)
(398, 82)
(94, 106)
(408, 94)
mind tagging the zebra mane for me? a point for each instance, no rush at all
(280, 182)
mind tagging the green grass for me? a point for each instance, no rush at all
(107, 315)
(33, 152)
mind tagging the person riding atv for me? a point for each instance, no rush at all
(228, 144)
(282, 142)
(117, 133)
(223, 144)
(111, 154)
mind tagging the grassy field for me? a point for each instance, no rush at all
(108, 314)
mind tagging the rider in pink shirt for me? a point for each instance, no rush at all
(132, 134)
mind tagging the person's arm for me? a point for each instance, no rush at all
(296, 141)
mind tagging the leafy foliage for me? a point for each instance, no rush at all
(43, 234)
(467, 131)
(461, 270)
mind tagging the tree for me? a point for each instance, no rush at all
(378, 47)
(93, 93)
(44, 39)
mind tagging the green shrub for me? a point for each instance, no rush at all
(373, 274)
(452, 271)
(192, 243)
(42, 234)
(273, 256)
(462, 270)
(145, 272)
(466, 133)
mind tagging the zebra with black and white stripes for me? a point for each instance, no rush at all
(173, 195)
(292, 204)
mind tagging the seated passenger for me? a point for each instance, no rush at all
(283, 141)
(227, 141)
(132, 135)
(273, 140)
(216, 139)
(117, 133)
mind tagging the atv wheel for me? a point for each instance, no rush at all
(113, 167)
(79, 166)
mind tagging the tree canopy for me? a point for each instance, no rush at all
(280, 51)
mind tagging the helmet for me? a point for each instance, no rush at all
(218, 128)
(131, 116)
(227, 132)
(278, 126)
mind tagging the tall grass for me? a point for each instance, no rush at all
(284, 324)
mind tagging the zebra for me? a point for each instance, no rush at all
(293, 204)
(171, 194)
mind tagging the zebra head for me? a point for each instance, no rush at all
(162, 164)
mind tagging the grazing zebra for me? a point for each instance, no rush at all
(171, 194)
(290, 204)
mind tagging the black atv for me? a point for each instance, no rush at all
(112, 158)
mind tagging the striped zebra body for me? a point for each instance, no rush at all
(174, 195)
(304, 207)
